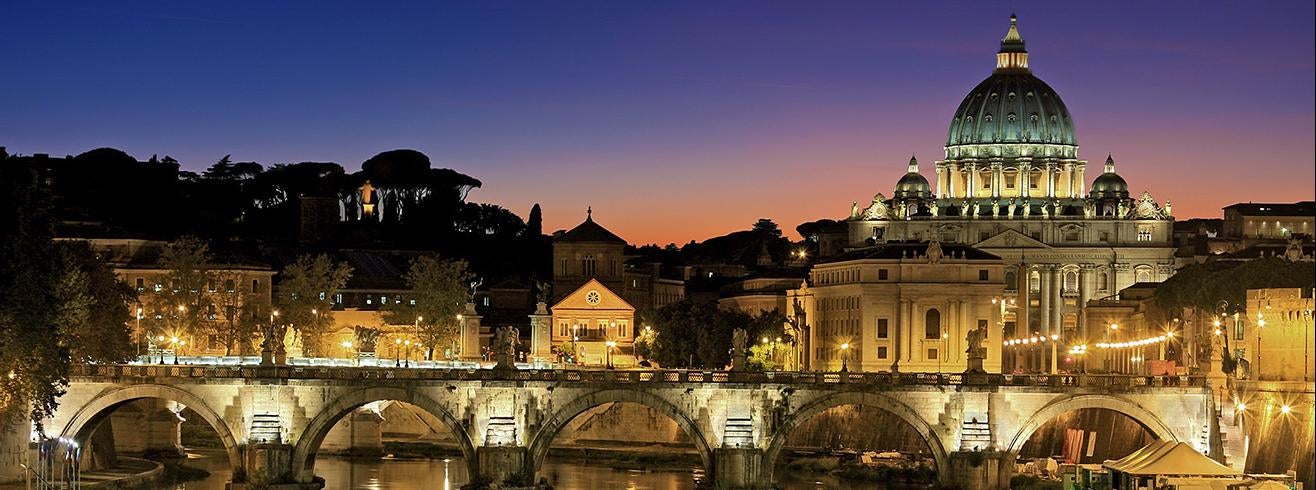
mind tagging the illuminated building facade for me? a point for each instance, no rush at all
(1012, 185)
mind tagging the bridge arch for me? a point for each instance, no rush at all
(1075, 402)
(91, 415)
(553, 424)
(881, 401)
(308, 442)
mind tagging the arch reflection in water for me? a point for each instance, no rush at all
(395, 474)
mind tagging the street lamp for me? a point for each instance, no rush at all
(397, 352)
(610, 344)
(845, 350)
(160, 341)
(138, 328)
(407, 362)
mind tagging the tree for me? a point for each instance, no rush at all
(693, 333)
(766, 227)
(178, 306)
(439, 290)
(1203, 286)
(93, 308)
(237, 313)
(489, 220)
(34, 362)
(535, 223)
(304, 303)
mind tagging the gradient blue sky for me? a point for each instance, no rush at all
(674, 120)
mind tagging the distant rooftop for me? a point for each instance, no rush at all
(1303, 208)
(589, 231)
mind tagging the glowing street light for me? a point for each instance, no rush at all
(611, 345)
(845, 353)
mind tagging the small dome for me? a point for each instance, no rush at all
(913, 185)
(1109, 185)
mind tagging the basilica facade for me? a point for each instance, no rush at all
(1012, 185)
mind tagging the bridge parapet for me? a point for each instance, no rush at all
(680, 376)
(739, 421)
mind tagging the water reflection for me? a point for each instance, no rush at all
(396, 474)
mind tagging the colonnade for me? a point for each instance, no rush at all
(1051, 309)
(1058, 179)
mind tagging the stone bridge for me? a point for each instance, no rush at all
(273, 419)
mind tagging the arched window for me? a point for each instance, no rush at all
(932, 324)
(1142, 274)
(1034, 281)
(588, 265)
(1103, 281)
(1071, 281)
(1010, 279)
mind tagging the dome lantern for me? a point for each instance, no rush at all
(1012, 56)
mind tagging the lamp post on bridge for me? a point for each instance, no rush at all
(845, 355)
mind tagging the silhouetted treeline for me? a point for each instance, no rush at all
(396, 200)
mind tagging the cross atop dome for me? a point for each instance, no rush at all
(1012, 56)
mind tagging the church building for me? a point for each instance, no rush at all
(1012, 185)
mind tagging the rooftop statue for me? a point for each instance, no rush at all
(1146, 208)
(877, 209)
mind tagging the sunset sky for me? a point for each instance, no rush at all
(673, 120)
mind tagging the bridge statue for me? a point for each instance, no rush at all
(975, 351)
(272, 350)
(738, 339)
(543, 292)
(505, 341)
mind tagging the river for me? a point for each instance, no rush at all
(399, 474)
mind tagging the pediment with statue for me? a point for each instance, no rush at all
(1010, 239)
(1146, 208)
(876, 210)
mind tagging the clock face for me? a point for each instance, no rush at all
(593, 297)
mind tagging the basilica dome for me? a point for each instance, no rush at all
(1109, 185)
(913, 185)
(1012, 106)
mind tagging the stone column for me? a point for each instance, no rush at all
(897, 335)
(1050, 179)
(1082, 182)
(1023, 312)
(1070, 187)
(1044, 309)
(913, 331)
(954, 171)
(1025, 179)
(1084, 291)
(941, 185)
(971, 180)
(541, 334)
(996, 179)
(1057, 303)
(470, 334)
